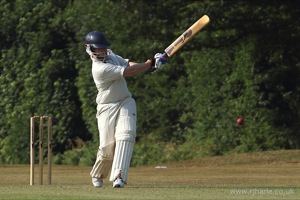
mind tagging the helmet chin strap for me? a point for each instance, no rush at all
(102, 59)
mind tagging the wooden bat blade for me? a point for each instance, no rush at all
(187, 35)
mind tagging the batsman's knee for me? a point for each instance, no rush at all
(127, 136)
(107, 152)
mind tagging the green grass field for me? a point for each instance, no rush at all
(268, 175)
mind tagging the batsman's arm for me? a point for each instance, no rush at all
(134, 68)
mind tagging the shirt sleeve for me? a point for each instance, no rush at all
(112, 72)
(109, 71)
(105, 72)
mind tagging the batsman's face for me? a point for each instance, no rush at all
(100, 53)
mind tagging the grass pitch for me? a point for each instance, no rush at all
(268, 175)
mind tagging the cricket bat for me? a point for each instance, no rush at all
(186, 36)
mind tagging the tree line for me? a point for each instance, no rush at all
(245, 63)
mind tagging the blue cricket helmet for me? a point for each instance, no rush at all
(97, 40)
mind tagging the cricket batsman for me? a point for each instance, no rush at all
(116, 109)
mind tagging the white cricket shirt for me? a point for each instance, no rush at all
(109, 80)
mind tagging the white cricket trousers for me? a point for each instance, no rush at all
(117, 132)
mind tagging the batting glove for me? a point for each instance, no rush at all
(157, 62)
(160, 60)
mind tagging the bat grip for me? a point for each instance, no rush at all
(165, 55)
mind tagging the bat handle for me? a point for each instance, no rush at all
(165, 55)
